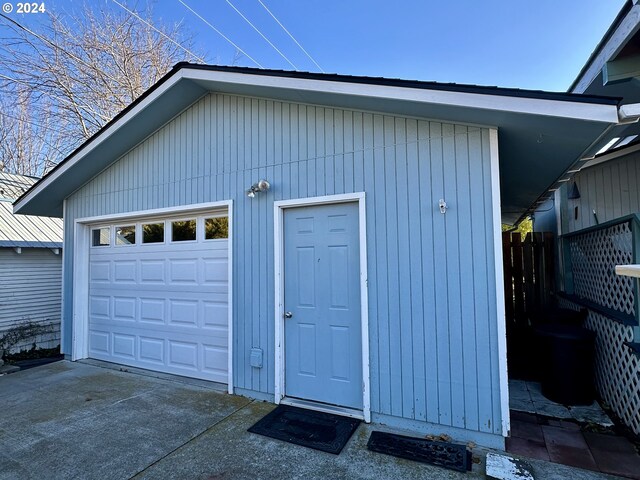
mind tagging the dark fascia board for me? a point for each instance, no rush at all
(608, 34)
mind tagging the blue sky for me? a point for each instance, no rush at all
(539, 44)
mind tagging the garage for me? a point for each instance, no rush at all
(158, 293)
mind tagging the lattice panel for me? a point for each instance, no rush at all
(617, 368)
(594, 256)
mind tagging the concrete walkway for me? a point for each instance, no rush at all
(76, 420)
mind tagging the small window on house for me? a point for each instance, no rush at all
(126, 235)
(215, 228)
(100, 237)
(183, 230)
(153, 232)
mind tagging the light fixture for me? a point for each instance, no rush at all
(574, 193)
(259, 186)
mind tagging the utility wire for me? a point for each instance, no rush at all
(261, 34)
(49, 42)
(200, 59)
(219, 33)
(290, 35)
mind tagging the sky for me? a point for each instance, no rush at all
(535, 44)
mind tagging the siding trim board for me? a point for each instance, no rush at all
(278, 231)
(500, 301)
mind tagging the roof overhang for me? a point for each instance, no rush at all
(540, 133)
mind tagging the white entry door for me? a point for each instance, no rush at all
(158, 295)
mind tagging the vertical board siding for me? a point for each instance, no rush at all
(432, 313)
(610, 188)
(31, 291)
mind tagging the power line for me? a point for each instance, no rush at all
(261, 34)
(219, 33)
(200, 59)
(292, 37)
(51, 43)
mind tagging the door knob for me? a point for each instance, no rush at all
(288, 314)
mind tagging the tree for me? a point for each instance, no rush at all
(62, 83)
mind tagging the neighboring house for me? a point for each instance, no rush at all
(364, 277)
(595, 211)
(30, 272)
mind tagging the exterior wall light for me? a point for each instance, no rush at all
(260, 186)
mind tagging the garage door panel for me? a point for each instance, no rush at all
(151, 349)
(183, 312)
(152, 310)
(161, 306)
(183, 354)
(124, 345)
(125, 271)
(152, 271)
(100, 271)
(183, 271)
(99, 306)
(99, 341)
(124, 308)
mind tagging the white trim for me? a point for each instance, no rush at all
(500, 302)
(80, 322)
(230, 239)
(557, 207)
(81, 243)
(321, 407)
(515, 103)
(179, 210)
(64, 281)
(610, 156)
(625, 31)
(278, 245)
(222, 81)
(629, 113)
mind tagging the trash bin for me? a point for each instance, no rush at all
(566, 353)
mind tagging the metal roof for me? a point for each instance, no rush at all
(24, 231)
(12, 186)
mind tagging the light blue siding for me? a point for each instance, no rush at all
(610, 188)
(432, 299)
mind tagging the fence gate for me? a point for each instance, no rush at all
(528, 274)
(528, 284)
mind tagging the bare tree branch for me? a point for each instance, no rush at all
(63, 82)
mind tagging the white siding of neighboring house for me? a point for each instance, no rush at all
(30, 286)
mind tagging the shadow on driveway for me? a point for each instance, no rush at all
(78, 420)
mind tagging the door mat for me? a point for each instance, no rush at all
(442, 454)
(317, 430)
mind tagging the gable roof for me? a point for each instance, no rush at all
(543, 129)
(24, 231)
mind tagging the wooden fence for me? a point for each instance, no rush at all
(528, 275)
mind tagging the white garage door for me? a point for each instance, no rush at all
(158, 295)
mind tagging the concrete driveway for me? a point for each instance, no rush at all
(78, 420)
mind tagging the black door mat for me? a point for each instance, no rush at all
(442, 454)
(317, 430)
